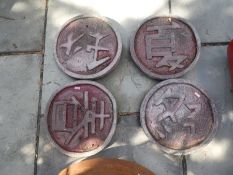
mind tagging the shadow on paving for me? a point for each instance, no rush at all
(129, 142)
(21, 25)
(211, 19)
(123, 145)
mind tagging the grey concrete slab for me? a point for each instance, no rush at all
(127, 83)
(211, 73)
(50, 160)
(19, 93)
(129, 142)
(21, 25)
(212, 19)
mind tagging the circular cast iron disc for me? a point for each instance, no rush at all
(165, 47)
(105, 167)
(87, 47)
(81, 118)
(178, 116)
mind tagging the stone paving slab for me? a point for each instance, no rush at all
(211, 73)
(126, 76)
(129, 142)
(129, 85)
(212, 19)
(21, 25)
(20, 76)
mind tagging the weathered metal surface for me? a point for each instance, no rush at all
(105, 166)
(178, 116)
(165, 47)
(87, 47)
(81, 118)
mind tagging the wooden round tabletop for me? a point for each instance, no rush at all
(103, 166)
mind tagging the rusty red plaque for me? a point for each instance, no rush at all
(178, 116)
(81, 118)
(165, 47)
(88, 47)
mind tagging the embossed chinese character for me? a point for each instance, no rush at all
(81, 117)
(70, 42)
(79, 62)
(175, 109)
(162, 45)
(87, 47)
(65, 117)
(178, 116)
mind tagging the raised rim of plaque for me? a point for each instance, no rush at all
(114, 25)
(112, 130)
(159, 76)
(167, 150)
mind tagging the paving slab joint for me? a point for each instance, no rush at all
(184, 165)
(45, 24)
(170, 6)
(8, 53)
(128, 114)
(40, 91)
(206, 44)
(39, 115)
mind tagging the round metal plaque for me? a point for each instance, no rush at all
(165, 47)
(103, 166)
(87, 47)
(178, 116)
(81, 118)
